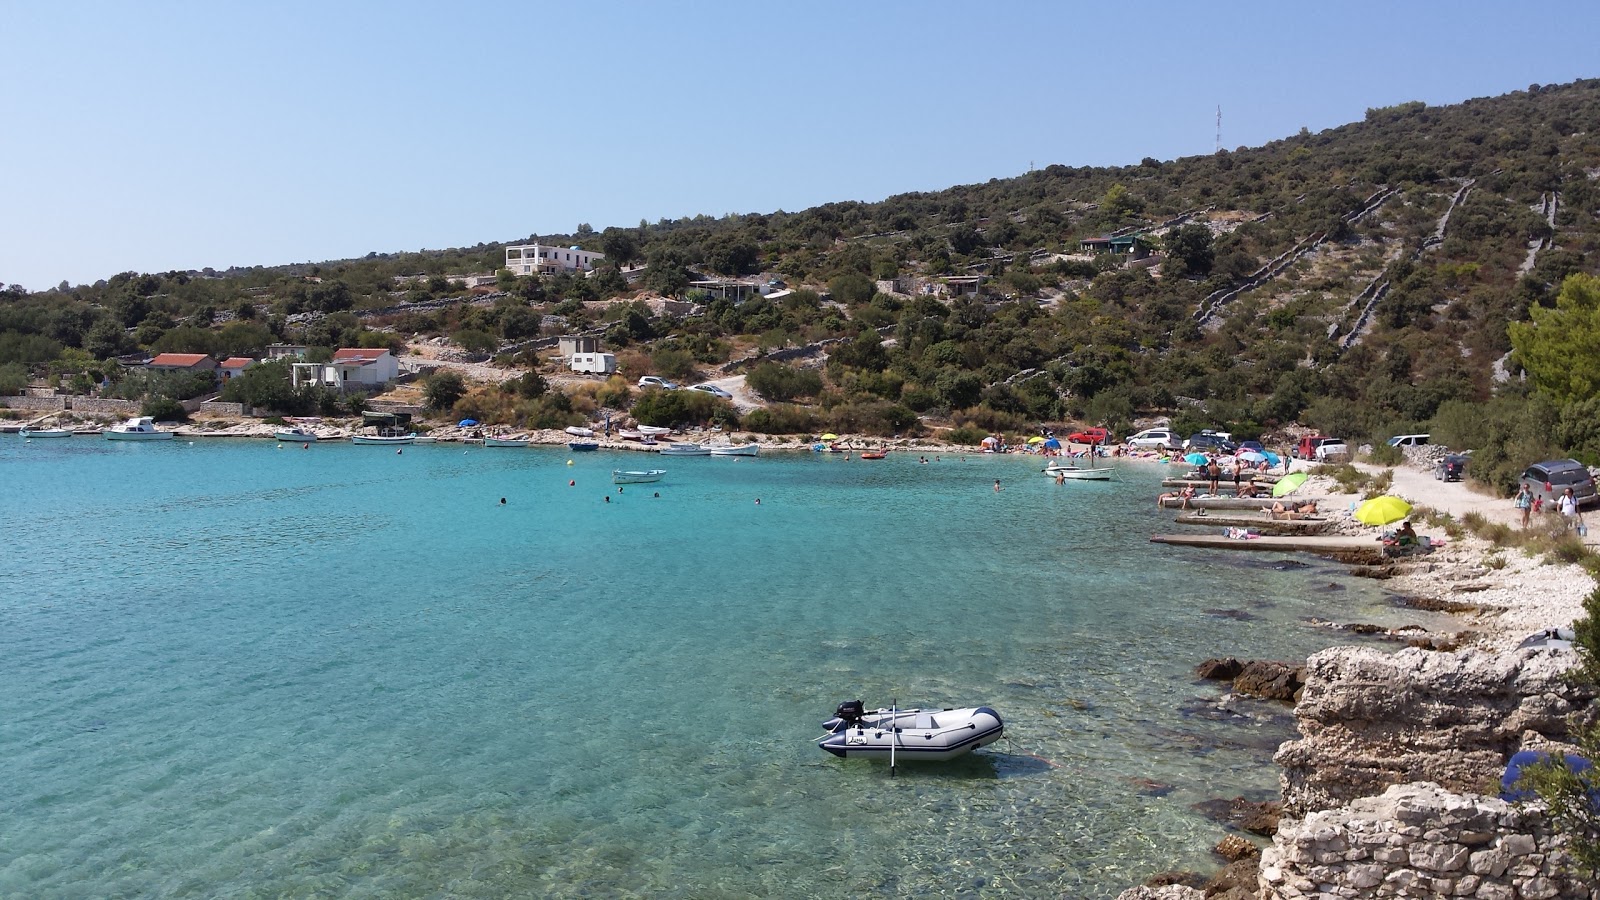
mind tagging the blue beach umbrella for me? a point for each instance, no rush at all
(1272, 458)
(1198, 459)
(1053, 444)
(466, 423)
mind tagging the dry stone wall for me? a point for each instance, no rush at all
(39, 403)
(1420, 840)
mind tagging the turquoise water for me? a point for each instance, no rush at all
(237, 670)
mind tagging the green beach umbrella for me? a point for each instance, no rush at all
(1288, 484)
(1382, 510)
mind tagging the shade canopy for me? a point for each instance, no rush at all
(1382, 510)
(1288, 484)
(830, 437)
(466, 423)
(1251, 456)
(1198, 459)
(1036, 440)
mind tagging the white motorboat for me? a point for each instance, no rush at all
(45, 433)
(579, 431)
(142, 428)
(518, 441)
(619, 476)
(383, 438)
(909, 734)
(735, 450)
(630, 434)
(653, 430)
(296, 435)
(1076, 473)
(682, 449)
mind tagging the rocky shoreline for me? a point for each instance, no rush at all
(1391, 790)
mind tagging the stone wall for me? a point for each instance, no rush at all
(99, 406)
(219, 408)
(39, 403)
(1371, 719)
(1419, 840)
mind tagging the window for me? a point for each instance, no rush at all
(514, 253)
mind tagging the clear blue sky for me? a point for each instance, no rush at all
(163, 135)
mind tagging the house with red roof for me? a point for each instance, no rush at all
(182, 362)
(352, 368)
(234, 366)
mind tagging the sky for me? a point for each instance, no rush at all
(179, 135)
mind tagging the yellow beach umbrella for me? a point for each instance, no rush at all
(1036, 440)
(830, 437)
(1382, 510)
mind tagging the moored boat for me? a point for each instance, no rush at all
(653, 430)
(909, 734)
(619, 476)
(735, 450)
(296, 435)
(142, 428)
(583, 446)
(44, 432)
(1076, 473)
(684, 449)
(516, 441)
(579, 431)
(384, 437)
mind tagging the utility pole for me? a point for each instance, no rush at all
(1219, 128)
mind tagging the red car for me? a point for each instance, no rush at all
(1090, 436)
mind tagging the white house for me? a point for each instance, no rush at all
(234, 366)
(540, 259)
(351, 368)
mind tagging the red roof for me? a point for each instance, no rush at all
(182, 360)
(236, 362)
(365, 354)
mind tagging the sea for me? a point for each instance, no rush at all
(234, 668)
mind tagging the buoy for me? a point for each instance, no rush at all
(569, 462)
(573, 483)
(398, 452)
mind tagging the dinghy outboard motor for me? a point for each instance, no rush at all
(848, 715)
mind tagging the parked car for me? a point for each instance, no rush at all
(648, 381)
(1090, 436)
(1451, 468)
(1551, 478)
(1307, 448)
(1210, 442)
(1408, 440)
(713, 390)
(1331, 449)
(1156, 439)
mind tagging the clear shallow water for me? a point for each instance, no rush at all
(231, 669)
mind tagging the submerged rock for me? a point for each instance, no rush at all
(1224, 669)
(1270, 680)
(1255, 816)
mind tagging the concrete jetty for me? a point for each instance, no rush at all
(1260, 523)
(1255, 504)
(1363, 551)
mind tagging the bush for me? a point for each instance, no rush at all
(673, 363)
(782, 419)
(780, 383)
(616, 393)
(164, 409)
(966, 434)
(1384, 455)
(671, 408)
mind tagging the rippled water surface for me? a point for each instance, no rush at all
(231, 669)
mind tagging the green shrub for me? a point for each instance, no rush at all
(164, 409)
(1384, 455)
(671, 408)
(966, 435)
(782, 418)
(781, 383)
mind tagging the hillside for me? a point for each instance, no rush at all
(1359, 280)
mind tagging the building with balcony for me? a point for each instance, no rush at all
(541, 259)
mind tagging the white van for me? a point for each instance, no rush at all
(594, 363)
(1408, 440)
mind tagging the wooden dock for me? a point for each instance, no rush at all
(1257, 521)
(1363, 551)
(1255, 504)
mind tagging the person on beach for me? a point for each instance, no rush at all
(1246, 490)
(1406, 536)
(1568, 505)
(997, 485)
(1524, 502)
(1213, 472)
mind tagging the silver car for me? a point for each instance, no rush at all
(1550, 479)
(1156, 438)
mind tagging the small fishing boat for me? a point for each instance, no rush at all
(618, 476)
(630, 434)
(683, 449)
(137, 429)
(296, 435)
(385, 437)
(874, 454)
(735, 450)
(506, 441)
(44, 432)
(579, 431)
(583, 446)
(653, 430)
(909, 734)
(424, 439)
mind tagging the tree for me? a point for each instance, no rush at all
(443, 388)
(851, 288)
(474, 341)
(1560, 347)
(619, 245)
(265, 386)
(1189, 251)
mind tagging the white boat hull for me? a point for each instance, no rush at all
(916, 735)
(652, 430)
(740, 450)
(296, 437)
(684, 450)
(1073, 473)
(579, 431)
(618, 476)
(505, 442)
(138, 435)
(45, 433)
(369, 440)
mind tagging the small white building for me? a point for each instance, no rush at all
(234, 366)
(541, 259)
(352, 368)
